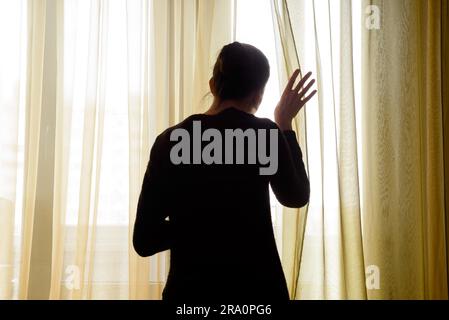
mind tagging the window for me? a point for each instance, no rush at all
(111, 246)
(254, 25)
(112, 220)
(13, 61)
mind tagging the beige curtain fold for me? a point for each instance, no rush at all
(92, 138)
(445, 107)
(323, 255)
(61, 161)
(139, 95)
(92, 147)
(293, 220)
(404, 215)
(35, 63)
(79, 246)
(25, 95)
(12, 105)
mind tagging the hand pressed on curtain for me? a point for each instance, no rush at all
(292, 100)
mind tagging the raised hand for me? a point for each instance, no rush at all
(292, 100)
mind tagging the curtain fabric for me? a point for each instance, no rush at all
(376, 144)
(403, 85)
(82, 146)
(293, 220)
(445, 102)
(326, 248)
(22, 64)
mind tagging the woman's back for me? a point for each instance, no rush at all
(221, 238)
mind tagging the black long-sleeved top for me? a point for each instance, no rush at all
(215, 219)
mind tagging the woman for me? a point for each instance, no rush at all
(214, 216)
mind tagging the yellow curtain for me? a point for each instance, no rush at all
(445, 105)
(374, 145)
(404, 219)
(62, 136)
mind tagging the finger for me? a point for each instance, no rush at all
(304, 101)
(291, 81)
(302, 81)
(304, 91)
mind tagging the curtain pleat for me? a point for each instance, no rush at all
(445, 107)
(12, 85)
(323, 254)
(63, 127)
(347, 157)
(33, 106)
(92, 144)
(138, 96)
(404, 216)
(293, 220)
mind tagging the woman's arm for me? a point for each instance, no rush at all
(290, 184)
(152, 233)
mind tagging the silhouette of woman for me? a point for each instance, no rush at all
(215, 217)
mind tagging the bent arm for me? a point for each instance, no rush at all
(290, 183)
(152, 233)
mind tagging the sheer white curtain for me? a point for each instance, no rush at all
(21, 84)
(85, 86)
(324, 255)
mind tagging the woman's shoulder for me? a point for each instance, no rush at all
(267, 123)
(243, 121)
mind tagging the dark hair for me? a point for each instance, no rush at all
(240, 69)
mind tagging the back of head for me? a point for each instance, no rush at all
(240, 70)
